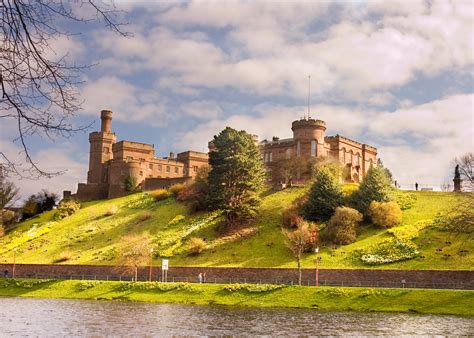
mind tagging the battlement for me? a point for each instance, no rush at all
(305, 123)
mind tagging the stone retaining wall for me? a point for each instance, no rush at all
(349, 277)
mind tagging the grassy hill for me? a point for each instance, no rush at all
(92, 235)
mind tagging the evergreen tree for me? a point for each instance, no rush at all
(375, 186)
(324, 197)
(237, 175)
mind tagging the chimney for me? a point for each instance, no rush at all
(106, 117)
(171, 157)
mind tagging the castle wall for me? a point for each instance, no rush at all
(163, 183)
(91, 191)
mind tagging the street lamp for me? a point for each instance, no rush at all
(14, 262)
(316, 251)
(151, 261)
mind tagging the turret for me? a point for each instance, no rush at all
(308, 135)
(106, 117)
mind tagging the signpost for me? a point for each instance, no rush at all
(164, 269)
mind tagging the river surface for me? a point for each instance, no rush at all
(69, 317)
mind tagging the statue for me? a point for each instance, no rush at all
(457, 179)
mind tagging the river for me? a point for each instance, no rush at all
(69, 317)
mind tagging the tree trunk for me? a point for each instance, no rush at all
(136, 274)
(299, 271)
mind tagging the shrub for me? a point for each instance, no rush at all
(324, 197)
(159, 194)
(253, 288)
(196, 245)
(87, 284)
(291, 216)
(385, 214)
(112, 210)
(67, 207)
(64, 257)
(342, 226)
(130, 184)
(175, 189)
(195, 194)
(146, 215)
(375, 186)
(2, 231)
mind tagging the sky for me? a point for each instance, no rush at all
(395, 75)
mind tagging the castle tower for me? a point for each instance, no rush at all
(308, 136)
(101, 149)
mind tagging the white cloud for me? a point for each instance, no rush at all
(203, 109)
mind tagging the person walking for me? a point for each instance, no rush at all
(416, 186)
(200, 278)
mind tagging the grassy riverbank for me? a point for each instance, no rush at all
(94, 234)
(453, 302)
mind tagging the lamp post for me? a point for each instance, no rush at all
(316, 250)
(14, 262)
(151, 262)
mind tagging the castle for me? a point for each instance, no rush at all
(310, 143)
(112, 162)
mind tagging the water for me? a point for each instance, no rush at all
(65, 317)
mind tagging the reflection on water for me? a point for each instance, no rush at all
(63, 317)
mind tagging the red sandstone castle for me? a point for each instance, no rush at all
(309, 143)
(112, 162)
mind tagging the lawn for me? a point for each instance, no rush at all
(453, 302)
(93, 234)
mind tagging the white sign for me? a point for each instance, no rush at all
(164, 264)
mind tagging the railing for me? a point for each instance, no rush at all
(306, 282)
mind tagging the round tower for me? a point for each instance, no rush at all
(308, 136)
(106, 118)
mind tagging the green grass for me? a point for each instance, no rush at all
(91, 237)
(452, 302)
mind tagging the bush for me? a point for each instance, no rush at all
(342, 226)
(159, 195)
(130, 183)
(291, 216)
(176, 219)
(253, 288)
(385, 214)
(389, 252)
(112, 210)
(196, 245)
(2, 231)
(375, 186)
(7, 217)
(195, 194)
(324, 197)
(64, 257)
(67, 207)
(175, 189)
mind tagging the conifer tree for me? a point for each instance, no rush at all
(375, 186)
(237, 175)
(324, 197)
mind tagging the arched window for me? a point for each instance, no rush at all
(358, 159)
(271, 157)
(288, 153)
(313, 148)
(298, 149)
(265, 158)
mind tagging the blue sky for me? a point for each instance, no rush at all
(396, 75)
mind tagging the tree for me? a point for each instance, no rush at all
(342, 227)
(8, 193)
(237, 176)
(39, 87)
(195, 194)
(130, 183)
(290, 168)
(133, 253)
(324, 197)
(460, 219)
(375, 186)
(297, 241)
(41, 202)
(466, 169)
(387, 171)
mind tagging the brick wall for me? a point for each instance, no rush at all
(412, 278)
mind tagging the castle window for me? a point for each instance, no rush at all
(176, 170)
(298, 149)
(313, 148)
(288, 153)
(195, 168)
(106, 150)
(150, 166)
(358, 159)
(141, 173)
(129, 158)
(142, 160)
(271, 157)
(160, 167)
(167, 168)
(265, 157)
